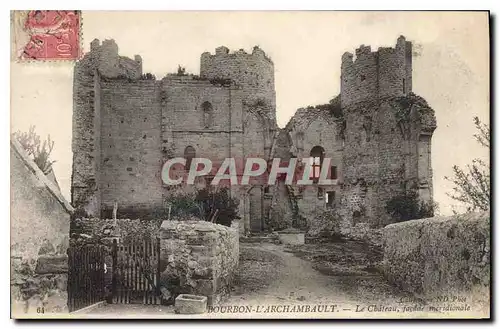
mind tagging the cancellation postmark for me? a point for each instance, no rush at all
(41, 35)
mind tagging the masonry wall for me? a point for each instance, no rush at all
(198, 257)
(387, 137)
(309, 128)
(102, 61)
(85, 146)
(184, 118)
(254, 72)
(373, 162)
(131, 158)
(371, 75)
(441, 256)
(39, 241)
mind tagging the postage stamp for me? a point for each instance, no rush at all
(275, 165)
(42, 35)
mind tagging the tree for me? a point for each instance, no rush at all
(40, 152)
(472, 185)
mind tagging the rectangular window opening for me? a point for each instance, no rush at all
(333, 172)
(330, 199)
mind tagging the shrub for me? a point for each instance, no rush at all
(184, 207)
(218, 203)
(209, 205)
(324, 223)
(96, 231)
(408, 207)
(472, 186)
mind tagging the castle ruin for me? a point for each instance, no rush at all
(126, 124)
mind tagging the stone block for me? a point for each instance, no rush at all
(205, 228)
(52, 264)
(197, 261)
(190, 304)
(207, 261)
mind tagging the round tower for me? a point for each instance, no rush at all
(376, 147)
(254, 73)
(380, 74)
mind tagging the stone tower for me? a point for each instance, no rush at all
(388, 132)
(103, 60)
(254, 73)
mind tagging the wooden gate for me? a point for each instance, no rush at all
(136, 272)
(85, 276)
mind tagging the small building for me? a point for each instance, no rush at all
(40, 220)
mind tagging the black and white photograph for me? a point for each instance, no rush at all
(250, 164)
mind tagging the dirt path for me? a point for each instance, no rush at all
(273, 274)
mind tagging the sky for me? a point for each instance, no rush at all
(450, 68)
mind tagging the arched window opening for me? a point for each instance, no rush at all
(207, 114)
(189, 154)
(316, 160)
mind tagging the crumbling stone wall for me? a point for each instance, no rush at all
(309, 128)
(387, 134)
(441, 256)
(102, 61)
(40, 219)
(125, 126)
(198, 257)
(377, 133)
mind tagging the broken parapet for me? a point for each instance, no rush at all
(110, 64)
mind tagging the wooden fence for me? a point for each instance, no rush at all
(85, 276)
(136, 272)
